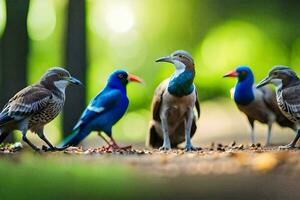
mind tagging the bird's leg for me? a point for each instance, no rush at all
(188, 125)
(252, 134)
(115, 146)
(293, 143)
(166, 145)
(109, 145)
(268, 142)
(25, 139)
(51, 147)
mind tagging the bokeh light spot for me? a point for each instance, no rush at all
(41, 19)
(2, 16)
(115, 17)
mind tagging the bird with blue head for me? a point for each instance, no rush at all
(104, 111)
(257, 104)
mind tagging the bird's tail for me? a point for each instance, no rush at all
(73, 139)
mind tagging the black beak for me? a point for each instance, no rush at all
(264, 82)
(75, 81)
(165, 59)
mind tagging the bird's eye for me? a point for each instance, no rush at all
(180, 56)
(275, 73)
(120, 76)
(243, 72)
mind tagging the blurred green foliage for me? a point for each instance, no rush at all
(131, 34)
(42, 177)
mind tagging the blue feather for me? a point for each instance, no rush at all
(103, 111)
(182, 85)
(243, 93)
(5, 118)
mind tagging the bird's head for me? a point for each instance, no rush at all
(59, 78)
(120, 78)
(279, 76)
(243, 73)
(181, 59)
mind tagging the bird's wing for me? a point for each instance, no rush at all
(156, 101)
(26, 102)
(291, 99)
(269, 98)
(101, 103)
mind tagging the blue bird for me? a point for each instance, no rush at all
(257, 104)
(104, 110)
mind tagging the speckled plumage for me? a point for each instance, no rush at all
(288, 95)
(51, 111)
(36, 105)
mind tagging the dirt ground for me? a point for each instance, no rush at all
(217, 171)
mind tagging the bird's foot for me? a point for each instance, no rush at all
(165, 148)
(190, 148)
(288, 146)
(36, 149)
(52, 149)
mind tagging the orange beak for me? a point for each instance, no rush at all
(134, 78)
(232, 73)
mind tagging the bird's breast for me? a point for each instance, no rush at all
(175, 108)
(46, 115)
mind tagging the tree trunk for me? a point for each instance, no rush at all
(14, 47)
(76, 63)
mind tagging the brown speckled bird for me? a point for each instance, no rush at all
(36, 105)
(287, 86)
(173, 119)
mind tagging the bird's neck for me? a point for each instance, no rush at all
(289, 81)
(243, 93)
(56, 88)
(119, 87)
(181, 83)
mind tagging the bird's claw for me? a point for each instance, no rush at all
(288, 146)
(52, 149)
(164, 148)
(190, 148)
(37, 149)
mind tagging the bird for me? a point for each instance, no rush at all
(35, 106)
(257, 104)
(104, 111)
(173, 119)
(287, 87)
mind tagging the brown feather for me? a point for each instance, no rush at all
(154, 138)
(156, 101)
(27, 101)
